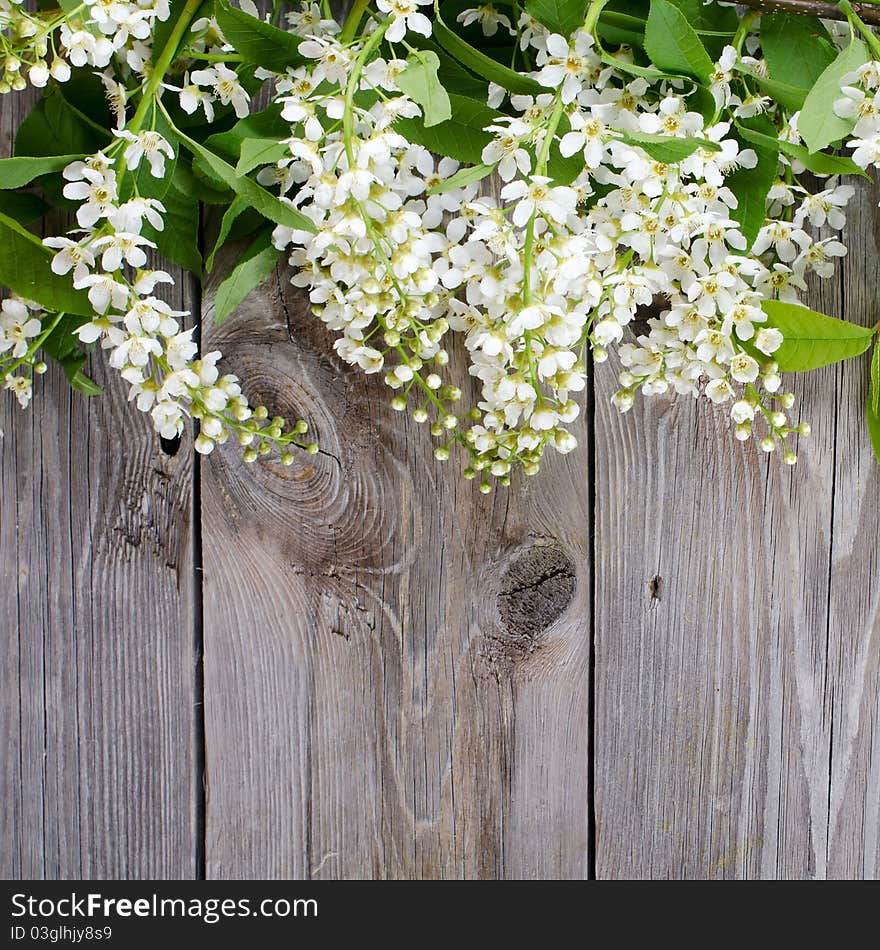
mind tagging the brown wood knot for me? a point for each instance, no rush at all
(655, 588)
(536, 589)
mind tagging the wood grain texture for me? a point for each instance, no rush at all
(738, 630)
(397, 668)
(97, 618)
(369, 713)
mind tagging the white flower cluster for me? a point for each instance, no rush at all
(38, 47)
(216, 82)
(860, 104)
(107, 258)
(545, 271)
(20, 332)
(372, 269)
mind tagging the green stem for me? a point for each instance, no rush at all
(32, 349)
(742, 31)
(160, 66)
(592, 17)
(213, 57)
(846, 8)
(352, 21)
(540, 169)
(348, 116)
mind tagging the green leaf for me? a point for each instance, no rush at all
(144, 182)
(255, 195)
(266, 124)
(22, 170)
(23, 206)
(484, 65)
(162, 29)
(56, 127)
(258, 42)
(420, 82)
(797, 48)
(179, 239)
(673, 45)
(464, 176)
(232, 212)
(820, 164)
(668, 148)
(563, 170)
(789, 97)
(257, 152)
(645, 72)
(461, 137)
(25, 268)
(257, 264)
(874, 400)
(62, 345)
(813, 339)
(874, 432)
(621, 29)
(453, 76)
(818, 124)
(751, 186)
(709, 19)
(193, 184)
(559, 16)
(873, 407)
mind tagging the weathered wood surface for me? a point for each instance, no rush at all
(97, 611)
(368, 711)
(399, 673)
(738, 629)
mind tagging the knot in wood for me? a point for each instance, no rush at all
(537, 587)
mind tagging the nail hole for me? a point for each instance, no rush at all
(170, 446)
(655, 587)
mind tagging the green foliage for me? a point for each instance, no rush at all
(559, 16)
(55, 127)
(238, 206)
(483, 65)
(874, 389)
(751, 185)
(797, 48)
(25, 268)
(179, 239)
(618, 27)
(255, 195)
(255, 266)
(873, 407)
(24, 207)
(19, 171)
(789, 97)
(820, 163)
(266, 124)
(672, 43)
(668, 148)
(63, 346)
(635, 69)
(463, 177)
(259, 42)
(257, 152)
(421, 83)
(813, 339)
(818, 124)
(461, 137)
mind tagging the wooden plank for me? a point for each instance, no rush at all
(854, 602)
(396, 666)
(737, 632)
(97, 610)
